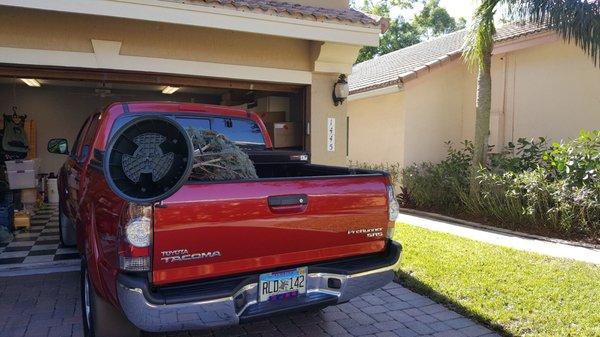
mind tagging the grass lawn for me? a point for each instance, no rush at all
(514, 292)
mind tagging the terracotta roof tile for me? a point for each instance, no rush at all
(279, 8)
(402, 65)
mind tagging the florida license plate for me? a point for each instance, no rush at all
(283, 284)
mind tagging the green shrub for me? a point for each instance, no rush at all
(531, 186)
(438, 186)
(577, 161)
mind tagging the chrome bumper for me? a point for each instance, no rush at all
(243, 305)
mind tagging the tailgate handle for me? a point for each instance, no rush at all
(288, 200)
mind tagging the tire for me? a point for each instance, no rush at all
(68, 236)
(100, 319)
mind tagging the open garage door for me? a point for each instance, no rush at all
(65, 97)
(55, 103)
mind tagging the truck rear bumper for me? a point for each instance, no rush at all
(232, 301)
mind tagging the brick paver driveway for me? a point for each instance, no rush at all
(48, 305)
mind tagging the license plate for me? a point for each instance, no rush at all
(282, 284)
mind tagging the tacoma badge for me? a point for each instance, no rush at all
(178, 255)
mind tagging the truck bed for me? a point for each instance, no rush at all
(284, 170)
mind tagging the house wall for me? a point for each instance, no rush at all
(321, 108)
(25, 28)
(377, 129)
(433, 112)
(552, 90)
(546, 90)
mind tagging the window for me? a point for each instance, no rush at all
(239, 130)
(196, 123)
(90, 136)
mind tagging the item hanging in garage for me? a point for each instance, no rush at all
(14, 139)
(217, 158)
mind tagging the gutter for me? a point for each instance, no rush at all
(377, 92)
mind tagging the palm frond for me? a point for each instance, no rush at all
(480, 36)
(576, 21)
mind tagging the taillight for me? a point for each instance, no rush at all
(393, 210)
(135, 244)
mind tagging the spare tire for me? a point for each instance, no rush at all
(148, 159)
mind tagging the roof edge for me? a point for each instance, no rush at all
(415, 73)
(447, 58)
(176, 12)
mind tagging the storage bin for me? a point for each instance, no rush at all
(22, 220)
(21, 179)
(52, 190)
(23, 165)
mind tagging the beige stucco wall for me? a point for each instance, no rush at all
(320, 109)
(376, 133)
(550, 90)
(433, 112)
(553, 90)
(24, 28)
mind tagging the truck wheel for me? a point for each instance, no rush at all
(68, 237)
(100, 319)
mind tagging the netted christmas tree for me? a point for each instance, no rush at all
(218, 158)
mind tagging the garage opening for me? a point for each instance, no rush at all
(54, 103)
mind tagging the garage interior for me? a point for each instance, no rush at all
(56, 102)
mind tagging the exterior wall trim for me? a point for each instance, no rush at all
(204, 16)
(377, 92)
(524, 42)
(106, 56)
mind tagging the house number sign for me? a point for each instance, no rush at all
(331, 134)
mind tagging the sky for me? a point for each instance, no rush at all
(456, 8)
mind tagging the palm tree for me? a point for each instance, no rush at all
(574, 20)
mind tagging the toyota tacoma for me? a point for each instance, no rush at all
(301, 236)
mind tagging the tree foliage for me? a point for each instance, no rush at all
(400, 34)
(431, 21)
(434, 20)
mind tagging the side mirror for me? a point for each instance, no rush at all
(58, 146)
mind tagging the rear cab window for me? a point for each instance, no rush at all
(243, 132)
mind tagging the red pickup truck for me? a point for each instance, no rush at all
(212, 254)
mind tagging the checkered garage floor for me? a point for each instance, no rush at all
(39, 244)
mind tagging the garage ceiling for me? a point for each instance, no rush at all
(115, 86)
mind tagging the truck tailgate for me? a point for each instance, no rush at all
(207, 230)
